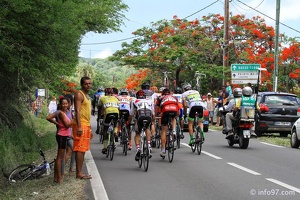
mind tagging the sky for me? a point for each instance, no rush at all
(142, 12)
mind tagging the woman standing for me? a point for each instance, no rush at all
(63, 124)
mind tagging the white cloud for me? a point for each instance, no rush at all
(103, 54)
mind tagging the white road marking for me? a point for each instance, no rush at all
(209, 154)
(96, 181)
(244, 169)
(212, 155)
(284, 185)
(273, 145)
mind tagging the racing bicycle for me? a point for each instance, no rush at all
(198, 136)
(30, 171)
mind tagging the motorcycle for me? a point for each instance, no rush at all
(241, 127)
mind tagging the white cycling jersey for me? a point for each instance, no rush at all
(193, 98)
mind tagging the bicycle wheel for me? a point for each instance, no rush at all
(171, 149)
(124, 140)
(140, 160)
(145, 154)
(20, 174)
(198, 142)
(157, 136)
(112, 146)
(178, 132)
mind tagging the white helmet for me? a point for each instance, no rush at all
(247, 91)
(187, 86)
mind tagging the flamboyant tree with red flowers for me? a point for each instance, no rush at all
(182, 47)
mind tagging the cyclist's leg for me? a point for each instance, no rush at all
(191, 124)
(137, 139)
(200, 123)
(164, 128)
(105, 136)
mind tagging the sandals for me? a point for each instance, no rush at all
(85, 176)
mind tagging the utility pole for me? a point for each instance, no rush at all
(225, 42)
(275, 79)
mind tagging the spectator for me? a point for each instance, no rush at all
(210, 101)
(38, 106)
(52, 106)
(228, 88)
(219, 105)
(82, 132)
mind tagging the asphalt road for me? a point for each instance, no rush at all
(221, 172)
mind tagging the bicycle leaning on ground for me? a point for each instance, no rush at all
(30, 171)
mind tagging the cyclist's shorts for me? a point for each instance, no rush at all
(193, 110)
(125, 113)
(81, 143)
(61, 141)
(108, 117)
(165, 117)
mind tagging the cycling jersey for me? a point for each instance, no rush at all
(124, 102)
(168, 103)
(110, 104)
(193, 98)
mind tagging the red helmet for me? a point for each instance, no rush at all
(140, 94)
(108, 91)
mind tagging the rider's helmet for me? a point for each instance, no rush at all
(178, 90)
(108, 91)
(124, 91)
(100, 89)
(146, 86)
(166, 91)
(115, 90)
(161, 89)
(237, 92)
(140, 94)
(247, 91)
(187, 86)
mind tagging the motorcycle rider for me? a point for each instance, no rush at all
(245, 100)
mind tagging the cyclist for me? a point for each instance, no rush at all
(169, 108)
(192, 100)
(97, 97)
(150, 95)
(109, 108)
(124, 106)
(178, 95)
(141, 109)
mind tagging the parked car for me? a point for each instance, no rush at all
(277, 113)
(295, 134)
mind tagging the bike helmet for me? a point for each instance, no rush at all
(187, 86)
(124, 91)
(108, 91)
(145, 86)
(161, 89)
(140, 94)
(166, 91)
(100, 89)
(237, 92)
(247, 91)
(178, 90)
(115, 91)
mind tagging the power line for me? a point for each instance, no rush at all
(201, 9)
(142, 24)
(269, 17)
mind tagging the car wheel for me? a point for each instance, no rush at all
(257, 131)
(294, 139)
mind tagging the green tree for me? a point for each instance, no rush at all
(40, 41)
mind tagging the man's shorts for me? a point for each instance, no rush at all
(81, 143)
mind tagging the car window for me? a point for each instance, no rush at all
(281, 100)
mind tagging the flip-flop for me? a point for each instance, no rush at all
(85, 176)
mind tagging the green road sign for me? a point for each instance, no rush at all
(244, 73)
